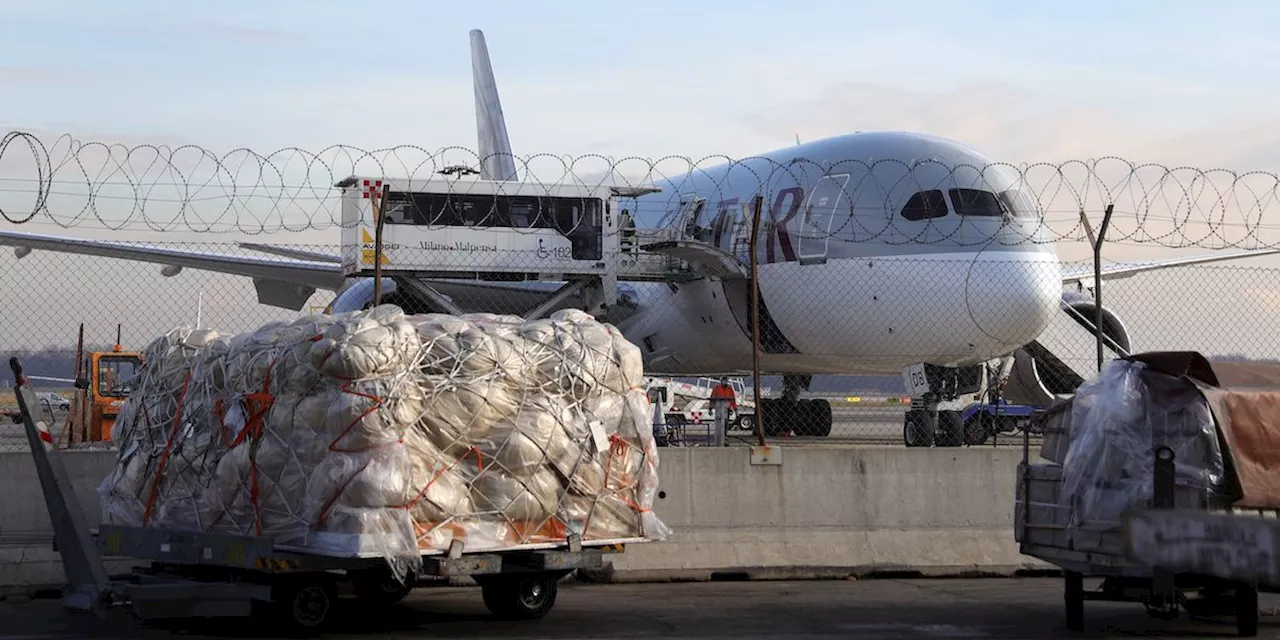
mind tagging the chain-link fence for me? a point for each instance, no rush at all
(864, 266)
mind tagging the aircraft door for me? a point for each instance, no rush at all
(690, 217)
(818, 216)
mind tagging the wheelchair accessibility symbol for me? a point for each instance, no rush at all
(562, 253)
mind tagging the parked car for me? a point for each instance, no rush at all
(54, 400)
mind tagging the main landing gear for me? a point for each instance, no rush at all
(793, 414)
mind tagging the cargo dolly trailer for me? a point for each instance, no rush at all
(202, 574)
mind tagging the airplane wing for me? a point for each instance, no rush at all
(284, 283)
(290, 252)
(1083, 275)
(289, 283)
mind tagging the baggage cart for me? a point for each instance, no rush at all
(1131, 554)
(201, 574)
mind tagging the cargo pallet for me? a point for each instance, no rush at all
(198, 574)
(1161, 589)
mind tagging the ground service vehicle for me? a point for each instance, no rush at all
(103, 380)
(109, 385)
(197, 574)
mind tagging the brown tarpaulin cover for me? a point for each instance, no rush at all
(1245, 400)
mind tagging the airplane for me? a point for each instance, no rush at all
(929, 267)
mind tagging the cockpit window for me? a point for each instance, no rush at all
(975, 202)
(1019, 203)
(924, 205)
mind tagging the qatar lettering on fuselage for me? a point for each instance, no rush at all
(732, 222)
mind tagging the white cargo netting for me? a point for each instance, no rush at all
(383, 432)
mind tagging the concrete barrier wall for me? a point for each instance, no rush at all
(824, 510)
(27, 557)
(833, 511)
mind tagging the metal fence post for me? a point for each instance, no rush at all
(721, 407)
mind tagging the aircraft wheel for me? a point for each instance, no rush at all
(916, 431)
(951, 430)
(781, 416)
(798, 416)
(745, 422)
(767, 408)
(822, 418)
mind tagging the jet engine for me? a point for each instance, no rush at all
(1039, 375)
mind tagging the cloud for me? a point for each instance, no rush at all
(1016, 125)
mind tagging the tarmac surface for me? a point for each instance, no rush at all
(874, 609)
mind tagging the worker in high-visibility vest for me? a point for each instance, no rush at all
(722, 391)
(723, 403)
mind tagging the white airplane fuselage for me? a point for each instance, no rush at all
(848, 285)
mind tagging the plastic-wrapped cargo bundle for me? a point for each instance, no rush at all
(380, 431)
(155, 459)
(1118, 419)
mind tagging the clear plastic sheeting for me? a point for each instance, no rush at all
(1117, 421)
(392, 434)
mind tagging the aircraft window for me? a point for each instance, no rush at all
(924, 205)
(471, 210)
(1019, 203)
(975, 202)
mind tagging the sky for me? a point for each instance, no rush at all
(1175, 83)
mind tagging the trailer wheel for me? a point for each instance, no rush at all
(1246, 602)
(520, 598)
(378, 587)
(305, 604)
(1073, 594)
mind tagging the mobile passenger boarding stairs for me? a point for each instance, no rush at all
(457, 245)
(198, 574)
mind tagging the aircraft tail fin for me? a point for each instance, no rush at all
(496, 160)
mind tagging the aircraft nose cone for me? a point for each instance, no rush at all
(1011, 296)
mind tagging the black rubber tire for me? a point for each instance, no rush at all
(775, 419)
(1246, 605)
(745, 422)
(378, 587)
(305, 605)
(520, 598)
(950, 429)
(977, 429)
(1073, 597)
(915, 430)
(822, 417)
(800, 416)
